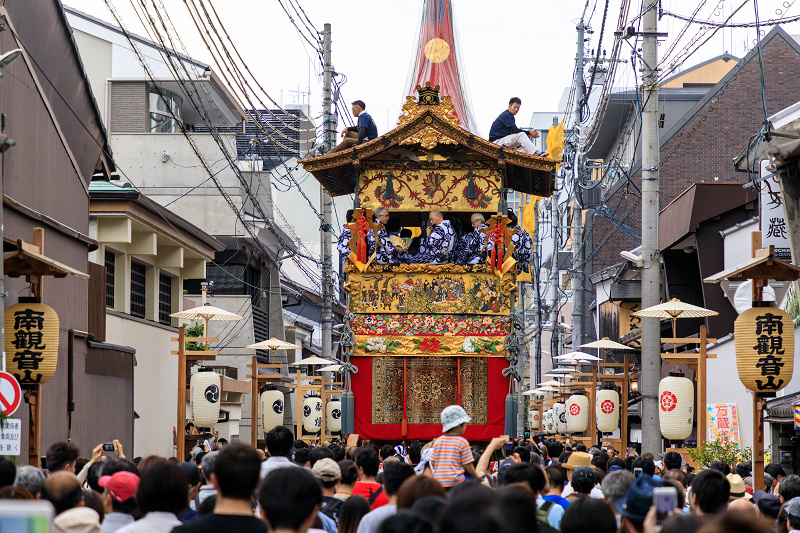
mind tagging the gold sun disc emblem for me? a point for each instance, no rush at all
(437, 50)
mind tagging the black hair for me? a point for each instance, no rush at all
(524, 453)
(279, 441)
(517, 508)
(431, 506)
(189, 425)
(526, 473)
(362, 105)
(302, 456)
(588, 514)
(415, 451)
(67, 500)
(352, 511)
(564, 457)
(722, 467)
(367, 459)
(394, 473)
(393, 225)
(386, 452)
(646, 464)
(555, 449)
(789, 487)
(711, 490)
(682, 523)
(580, 447)
(405, 521)
(775, 470)
(162, 488)
(672, 460)
(515, 100)
(616, 461)
(8, 472)
(338, 453)
(198, 459)
(514, 222)
(743, 469)
(556, 477)
(349, 216)
(320, 452)
(405, 233)
(349, 472)
(288, 496)
(677, 475)
(629, 463)
(473, 508)
(60, 454)
(300, 444)
(237, 468)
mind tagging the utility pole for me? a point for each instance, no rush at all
(651, 272)
(577, 213)
(326, 319)
(537, 301)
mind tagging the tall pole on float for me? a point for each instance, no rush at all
(326, 319)
(651, 273)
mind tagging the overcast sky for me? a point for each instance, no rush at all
(522, 48)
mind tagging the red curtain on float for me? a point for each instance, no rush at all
(366, 392)
(437, 59)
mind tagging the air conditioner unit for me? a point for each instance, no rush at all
(591, 194)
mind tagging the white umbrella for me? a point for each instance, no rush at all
(560, 370)
(207, 313)
(273, 344)
(330, 368)
(308, 361)
(577, 356)
(675, 309)
(551, 383)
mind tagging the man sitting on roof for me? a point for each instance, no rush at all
(364, 130)
(469, 250)
(505, 132)
(439, 243)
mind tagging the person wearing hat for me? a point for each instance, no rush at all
(792, 510)
(737, 488)
(634, 506)
(768, 505)
(119, 503)
(327, 471)
(452, 457)
(576, 460)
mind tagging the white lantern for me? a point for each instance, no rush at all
(676, 406)
(607, 410)
(534, 419)
(271, 409)
(312, 414)
(577, 413)
(204, 394)
(333, 416)
(547, 419)
(560, 415)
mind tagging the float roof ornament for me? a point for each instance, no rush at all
(437, 59)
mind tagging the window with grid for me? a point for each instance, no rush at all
(111, 264)
(164, 298)
(138, 290)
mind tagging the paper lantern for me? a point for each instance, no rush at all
(676, 406)
(31, 341)
(312, 415)
(205, 391)
(333, 416)
(547, 420)
(271, 409)
(607, 410)
(534, 419)
(577, 413)
(764, 338)
(560, 415)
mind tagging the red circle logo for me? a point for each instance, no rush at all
(668, 401)
(536, 416)
(607, 407)
(574, 409)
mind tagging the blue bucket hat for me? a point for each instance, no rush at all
(452, 416)
(639, 499)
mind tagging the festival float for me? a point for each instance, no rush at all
(418, 337)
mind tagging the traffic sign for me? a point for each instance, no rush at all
(10, 394)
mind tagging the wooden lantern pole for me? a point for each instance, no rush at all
(33, 397)
(758, 403)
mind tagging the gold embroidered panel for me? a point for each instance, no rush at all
(414, 346)
(443, 189)
(444, 293)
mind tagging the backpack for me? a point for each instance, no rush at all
(332, 509)
(543, 511)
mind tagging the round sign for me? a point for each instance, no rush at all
(668, 401)
(10, 394)
(607, 407)
(437, 50)
(574, 409)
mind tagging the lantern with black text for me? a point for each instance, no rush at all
(205, 391)
(560, 416)
(271, 409)
(607, 409)
(764, 338)
(31, 341)
(312, 414)
(577, 413)
(676, 406)
(534, 419)
(333, 416)
(549, 422)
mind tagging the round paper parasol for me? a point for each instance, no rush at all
(330, 368)
(560, 370)
(605, 344)
(273, 344)
(309, 361)
(551, 383)
(577, 356)
(675, 309)
(207, 313)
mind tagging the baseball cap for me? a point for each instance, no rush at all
(792, 508)
(192, 473)
(326, 469)
(121, 485)
(452, 416)
(768, 504)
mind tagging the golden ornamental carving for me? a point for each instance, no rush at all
(444, 110)
(428, 138)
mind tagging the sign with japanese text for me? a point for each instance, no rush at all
(10, 436)
(31, 342)
(773, 219)
(723, 423)
(10, 394)
(764, 349)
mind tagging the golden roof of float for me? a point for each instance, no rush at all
(428, 136)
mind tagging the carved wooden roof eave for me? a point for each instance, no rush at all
(417, 124)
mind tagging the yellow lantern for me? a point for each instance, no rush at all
(577, 413)
(676, 406)
(764, 349)
(31, 341)
(607, 410)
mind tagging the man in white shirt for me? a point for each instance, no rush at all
(279, 445)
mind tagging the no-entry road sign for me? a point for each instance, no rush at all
(10, 393)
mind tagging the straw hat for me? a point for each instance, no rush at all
(577, 459)
(737, 487)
